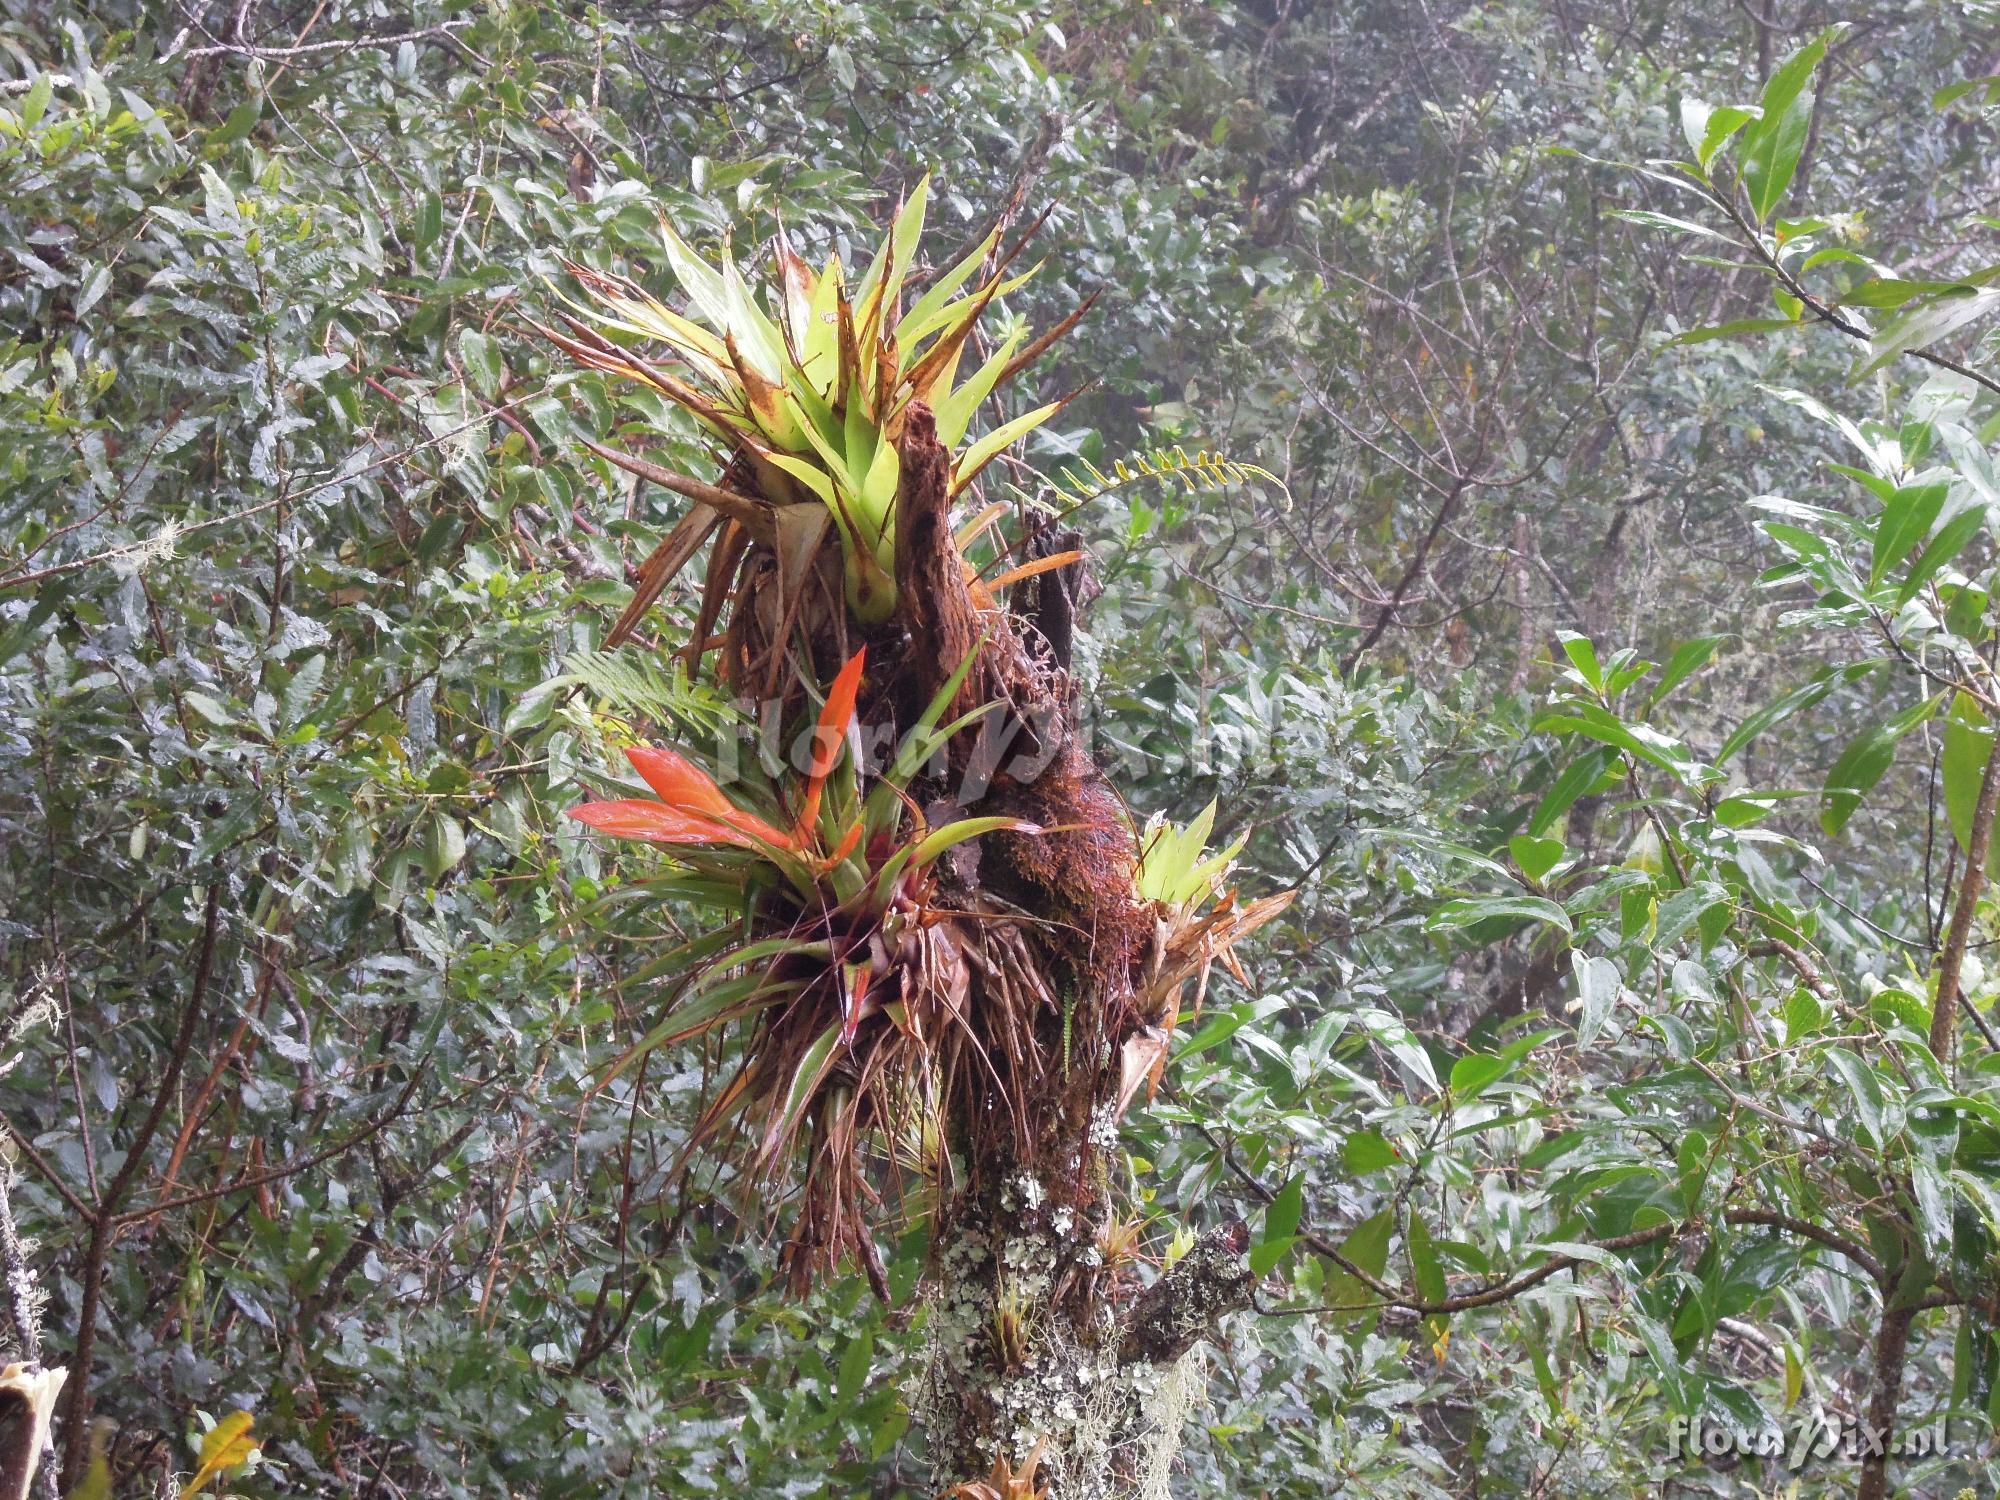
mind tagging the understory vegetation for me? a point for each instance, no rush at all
(1027, 750)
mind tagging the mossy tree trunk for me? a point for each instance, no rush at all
(1045, 1347)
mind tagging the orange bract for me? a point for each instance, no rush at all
(691, 809)
(828, 737)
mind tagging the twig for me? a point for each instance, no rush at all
(1828, 314)
(345, 44)
(47, 1172)
(285, 1169)
(1034, 161)
(1804, 967)
(76, 1414)
(1507, 1290)
(1971, 885)
(1460, 483)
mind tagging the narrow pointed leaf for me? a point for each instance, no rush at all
(990, 447)
(701, 281)
(913, 323)
(956, 411)
(805, 1083)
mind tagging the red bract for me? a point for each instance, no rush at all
(691, 809)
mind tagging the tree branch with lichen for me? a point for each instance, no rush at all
(1183, 1307)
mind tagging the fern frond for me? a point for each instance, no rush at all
(1200, 472)
(631, 684)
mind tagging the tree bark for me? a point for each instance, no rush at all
(1892, 1345)
(1028, 1356)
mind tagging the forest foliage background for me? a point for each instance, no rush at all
(309, 988)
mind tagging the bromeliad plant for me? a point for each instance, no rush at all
(1197, 920)
(852, 986)
(812, 397)
(856, 988)
(689, 809)
(960, 966)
